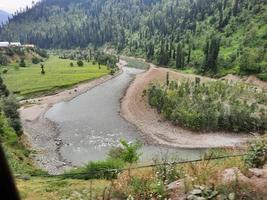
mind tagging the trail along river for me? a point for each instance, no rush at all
(90, 124)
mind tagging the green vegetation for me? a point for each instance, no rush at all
(257, 154)
(211, 106)
(135, 63)
(215, 37)
(58, 74)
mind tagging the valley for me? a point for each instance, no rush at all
(133, 100)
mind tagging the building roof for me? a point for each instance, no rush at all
(4, 44)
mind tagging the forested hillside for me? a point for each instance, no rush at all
(4, 16)
(209, 36)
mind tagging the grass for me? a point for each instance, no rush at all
(55, 188)
(135, 63)
(28, 81)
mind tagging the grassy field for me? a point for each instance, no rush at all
(28, 81)
(135, 63)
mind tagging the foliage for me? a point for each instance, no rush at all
(10, 108)
(22, 62)
(80, 63)
(129, 152)
(257, 154)
(211, 106)
(3, 59)
(107, 169)
(35, 60)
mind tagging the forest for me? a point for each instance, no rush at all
(213, 37)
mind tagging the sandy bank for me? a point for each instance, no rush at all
(136, 110)
(42, 134)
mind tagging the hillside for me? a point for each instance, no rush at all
(211, 37)
(4, 16)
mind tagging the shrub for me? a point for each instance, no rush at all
(263, 76)
(107, 169)
(257, 154)
(71, 64)
(43, 53)
(5, 70)
(3, 60)
(22, 63)
(35, 60)
(112, 72)
(212, 106)
(80, 63)
(10, 107)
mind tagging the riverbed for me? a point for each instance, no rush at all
(90, 125)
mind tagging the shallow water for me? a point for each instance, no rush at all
(90, 124)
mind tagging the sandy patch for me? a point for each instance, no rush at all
(136, 110)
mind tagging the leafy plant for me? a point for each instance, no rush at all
(257, 154)
(211, 106)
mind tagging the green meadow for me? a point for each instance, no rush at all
(28, 81)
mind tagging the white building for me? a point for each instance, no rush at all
(15, 44)
(4, 44)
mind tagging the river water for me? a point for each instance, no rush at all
(90, 124)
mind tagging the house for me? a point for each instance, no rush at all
(28, 45)
(15, 44)
(4, 44)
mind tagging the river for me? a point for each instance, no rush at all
(90, 124)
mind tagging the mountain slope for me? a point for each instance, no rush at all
(213, 36)
(4, 16)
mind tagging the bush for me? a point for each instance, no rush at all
(22, 63)
(107, 169)
(257, 154)
(5, 70)
(35, 60)
(10, 107)
(249, 62)
(80, 63)
(71, 64)
(213, 106)
(3, 60)
(43, 53)
(112, 72)
(263, 76)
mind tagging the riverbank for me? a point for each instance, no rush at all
(42, 134)
(136, 110)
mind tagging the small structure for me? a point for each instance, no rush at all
(29, 45)
(15, 44)
(4, 44)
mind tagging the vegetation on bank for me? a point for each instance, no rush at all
(211, 106)
(11, 134)
(135, 63)
(108, 180)
(215, 37)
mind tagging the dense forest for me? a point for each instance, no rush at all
(209, 36)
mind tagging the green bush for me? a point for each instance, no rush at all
(213, 106)
(22, 63)
(80, 63)
(10, 108)
(3, 60)
(257, 154)
(35, 60)
(263, 76)
(107, 169)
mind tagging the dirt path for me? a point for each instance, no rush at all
(42, 134)
(136, 110)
